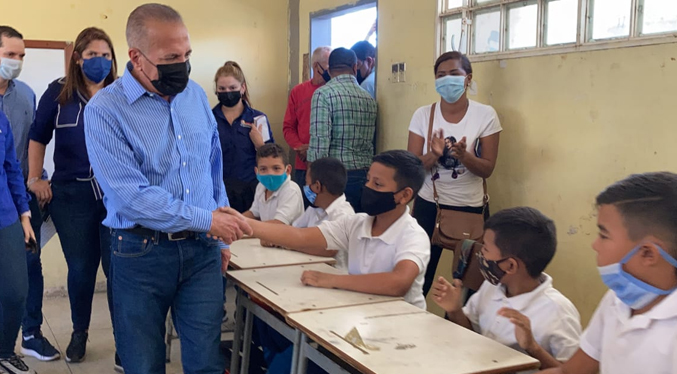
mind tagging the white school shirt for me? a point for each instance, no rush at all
(624, 344)
(284, 205)
(479, 121)
(555, 321)
(312, 217)
(403, 240)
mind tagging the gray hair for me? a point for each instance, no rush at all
(136, 23)
(318, 53)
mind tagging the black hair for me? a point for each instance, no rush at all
(272, 150)
(526, 234)
(409, 171)
(331, 173)
(9, 32)
(458, 56)
(363, 49)
(648, 204)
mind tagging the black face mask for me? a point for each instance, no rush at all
(490, 269)
(229, 99)
(326, 76)
(359, 77)
(172, 78)
(376, 202)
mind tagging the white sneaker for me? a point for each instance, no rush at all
(15, 365)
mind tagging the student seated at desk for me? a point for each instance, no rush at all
(387, 250)
(277, 198)
(517, 304)
(326, 180)
(634, 329)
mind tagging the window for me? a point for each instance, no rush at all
(502, 28)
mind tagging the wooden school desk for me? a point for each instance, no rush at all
(409, 340)
(250, 254)
(280, 288)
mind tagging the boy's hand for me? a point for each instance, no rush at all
(523, 334)
(447, 295)
(268, 244)
(317, 279)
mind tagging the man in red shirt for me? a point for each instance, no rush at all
(297, 118)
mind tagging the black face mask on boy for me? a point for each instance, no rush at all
(377, 202)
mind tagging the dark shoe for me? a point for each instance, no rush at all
(78, 347)
(15, 365)
(38, 346)
(118, 364)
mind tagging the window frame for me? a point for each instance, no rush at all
(584, 41)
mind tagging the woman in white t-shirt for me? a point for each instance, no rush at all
(463, 150)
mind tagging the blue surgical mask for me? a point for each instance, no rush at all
(272, 182)
(310, 195)
(631, 291)
(96, 68)
(450, 87)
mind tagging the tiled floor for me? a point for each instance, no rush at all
(100, 347)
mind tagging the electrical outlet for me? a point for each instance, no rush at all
(403, 71)
(396, 73)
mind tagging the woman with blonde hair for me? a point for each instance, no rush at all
(240, 132)
(73, 195)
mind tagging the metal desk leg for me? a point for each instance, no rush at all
(302, 359)
(296, 352)
(237, 334)
(247, 341)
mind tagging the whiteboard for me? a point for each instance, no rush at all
(40, 68)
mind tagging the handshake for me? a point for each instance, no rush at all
(228, 225)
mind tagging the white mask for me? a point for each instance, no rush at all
(10, 68)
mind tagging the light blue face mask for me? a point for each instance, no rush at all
(632, 291)
(310, 195)
(272, 182)
(450, 87)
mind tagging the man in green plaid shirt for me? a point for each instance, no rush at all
(343, 122)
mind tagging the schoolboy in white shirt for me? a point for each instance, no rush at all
(634, 329)
(387, 250)
(517, 304)
(326, 180)
(277, 198)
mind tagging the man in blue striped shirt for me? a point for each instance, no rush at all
(153, 143)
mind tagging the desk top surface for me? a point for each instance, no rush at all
(282, 290)
(250, 254)
(409, 340)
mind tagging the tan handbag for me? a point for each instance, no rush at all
(452, 227)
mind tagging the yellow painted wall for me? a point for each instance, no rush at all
(251, 32)
(572, 125)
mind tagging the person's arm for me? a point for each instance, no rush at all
(12, 167)
(415, 146)
(125, 186)
(481, 166)
(580, 363)
(309, 240)
(394, 283)
(249, 214)
(525, 338)
(40, 135)
(320, 127)
(449, 297)
(290, 127)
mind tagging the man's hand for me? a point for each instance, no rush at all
(42, 190)
(228, 225)
(437, 143)
(523, 334)
(458, 150)
(225, 259)
(302, 152)
(317, 279)
(447, 295)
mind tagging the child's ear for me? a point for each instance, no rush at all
(288, 169)
(513, 265)
(406, 195)
(649, 254)
(256, 169)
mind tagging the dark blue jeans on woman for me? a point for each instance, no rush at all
(151, 275)
(85, 242)
(36, 282)
(13, 285)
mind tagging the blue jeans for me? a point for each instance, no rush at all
(13, 286)
(356, 181)
(32, 319)
(150, 276)
(85, 242)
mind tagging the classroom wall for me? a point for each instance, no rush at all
(573, 124)
(251, 32)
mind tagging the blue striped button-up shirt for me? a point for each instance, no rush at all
(158, 162)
